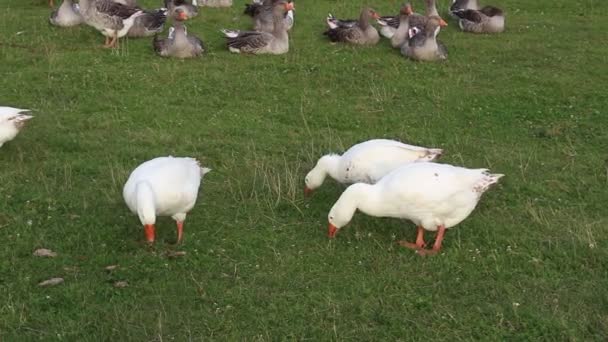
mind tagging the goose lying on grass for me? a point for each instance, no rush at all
(164, 186)
(367, 162)
(423, 44)
(12, 121)
(179, 43)
(256, 42)
(434, 196)
(360, 33)
(486, 20)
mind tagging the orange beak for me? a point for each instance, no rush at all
(289, 6)
(375, 15)
(331, 231)
(182, 16)
(442, 23)
(307, 191)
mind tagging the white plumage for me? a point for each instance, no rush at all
(164, 186)
(12, 121)
(433, 196)
(367, 162)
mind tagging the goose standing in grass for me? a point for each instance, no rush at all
(164, 186)
(423, 44)
(486, 20)
(434, 196)
(12, 121)
(190, 8)
(361, 33)
(367, 162)
(112, 19)
(179, 43)
(67, 15)
(149, 23)
(255, 42)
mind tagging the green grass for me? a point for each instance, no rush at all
(530, 263)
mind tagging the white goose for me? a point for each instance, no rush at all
(434, 196)
(367, 162)
(164, 186)
(12, 121)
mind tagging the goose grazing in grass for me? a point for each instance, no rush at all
(423, 44)
(164, 186)
(190, 8)
(179, 43)
(434, 196)
(149, 23)
(361, 33)
(255, 42)
(486, 20)
(367, 162)
(67, 15)
(112, 19)
(12, 121)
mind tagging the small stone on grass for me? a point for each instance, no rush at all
(46, 253)
(51, 282)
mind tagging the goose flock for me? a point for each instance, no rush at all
(385, 178)
(414, 34)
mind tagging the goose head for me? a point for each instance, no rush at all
(316, 176)
(345, 207)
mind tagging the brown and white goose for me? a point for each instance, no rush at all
(179, 43)
(486, 20)
(361, 33)
(112, 19)
(67, 15)
(423, 44)
(255, 42)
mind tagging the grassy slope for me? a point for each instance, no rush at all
(528, 103)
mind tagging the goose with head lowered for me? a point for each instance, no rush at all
(164, 186)
(434, 196)
(367, 162)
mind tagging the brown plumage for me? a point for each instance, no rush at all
(362, 33)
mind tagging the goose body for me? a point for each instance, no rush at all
(256, 42)
(149, 23)
(264, 19)
(179, 43)
(12, 121)
(164, 186)
(110, 18)
(462, 5)
(434, 196)
(486, 20)
(67, 15)
(360, 33)
(423, 44)
(367, 162)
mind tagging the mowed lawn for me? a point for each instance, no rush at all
(530, 263)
